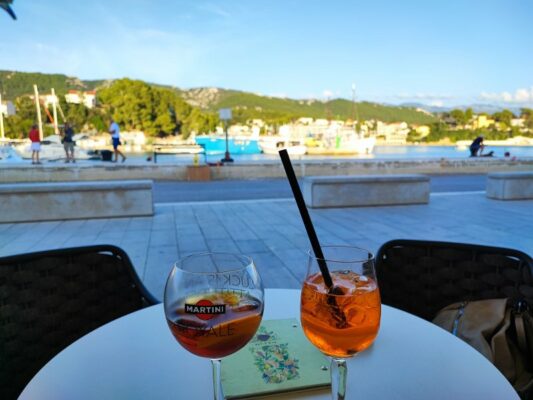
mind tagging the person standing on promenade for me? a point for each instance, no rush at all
(68, 143)
(35, 144)
(114, 130)
(477, 146)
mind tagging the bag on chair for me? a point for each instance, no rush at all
(501, 331)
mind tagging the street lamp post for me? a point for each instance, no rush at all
(225, 115)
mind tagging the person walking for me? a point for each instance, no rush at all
(68, 142)
(114, 130)
(35, 144)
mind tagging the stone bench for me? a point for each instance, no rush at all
(365, 190)
(510, 185)
(26, 202)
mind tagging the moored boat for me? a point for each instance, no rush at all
(273, 144)
(51, 149)
(340, 141)
(236, 144)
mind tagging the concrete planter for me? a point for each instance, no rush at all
(29, 202)
(198, 173)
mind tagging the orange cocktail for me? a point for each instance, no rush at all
(341, 325)
(340, 318)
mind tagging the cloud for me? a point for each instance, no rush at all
(214, 9)
(424, 96)
(327, 93)
(520, 96)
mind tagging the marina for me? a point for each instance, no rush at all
(184, 154)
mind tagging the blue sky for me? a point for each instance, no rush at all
(436, 52)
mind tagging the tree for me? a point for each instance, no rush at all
(469, 114)
(459, 116)
(504, 116)
(17, 126)
(527, 115)
(156, 111)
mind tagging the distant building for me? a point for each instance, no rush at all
(482, 121)
(238, 130)
(518, 122)
(305, 121)
(395, 133)
(88, 99)
(49, 99)
(7, 108)
(422, 130)
(73, 97)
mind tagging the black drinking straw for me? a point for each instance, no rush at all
(313, 238)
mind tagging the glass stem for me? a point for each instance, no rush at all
(338, 378)
(217, 382)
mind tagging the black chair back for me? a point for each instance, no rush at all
(50, 299)
(422, 277)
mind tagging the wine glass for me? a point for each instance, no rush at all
(344, 321)
(214, 305)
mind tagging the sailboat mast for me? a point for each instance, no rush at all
(38, 106)
(355, 114)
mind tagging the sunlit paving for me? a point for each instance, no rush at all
(278, 200)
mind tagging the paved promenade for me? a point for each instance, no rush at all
(272, 233)
(175, 191)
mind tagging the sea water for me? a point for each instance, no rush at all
(380, 152)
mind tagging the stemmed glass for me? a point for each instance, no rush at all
(344, 321)
(214, 305)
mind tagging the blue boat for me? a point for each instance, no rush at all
(237, 145)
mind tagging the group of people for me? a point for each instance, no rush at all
(69, 143)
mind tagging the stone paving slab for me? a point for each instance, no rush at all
(271, 232)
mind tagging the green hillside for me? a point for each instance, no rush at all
(14, 84)
(245, 105)
(248, 105)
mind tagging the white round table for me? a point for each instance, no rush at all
(136, 357)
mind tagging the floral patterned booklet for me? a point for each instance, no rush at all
(279, 358)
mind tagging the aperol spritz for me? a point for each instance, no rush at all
(344, 321)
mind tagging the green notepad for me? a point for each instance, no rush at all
(279, 358)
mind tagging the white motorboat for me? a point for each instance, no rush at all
(273, 144)
(51, 149)
(340, 141)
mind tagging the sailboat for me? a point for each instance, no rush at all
(51, 149)
(51, 146)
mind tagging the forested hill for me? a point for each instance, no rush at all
(14, 84)
(245, 105)
(248, 105)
